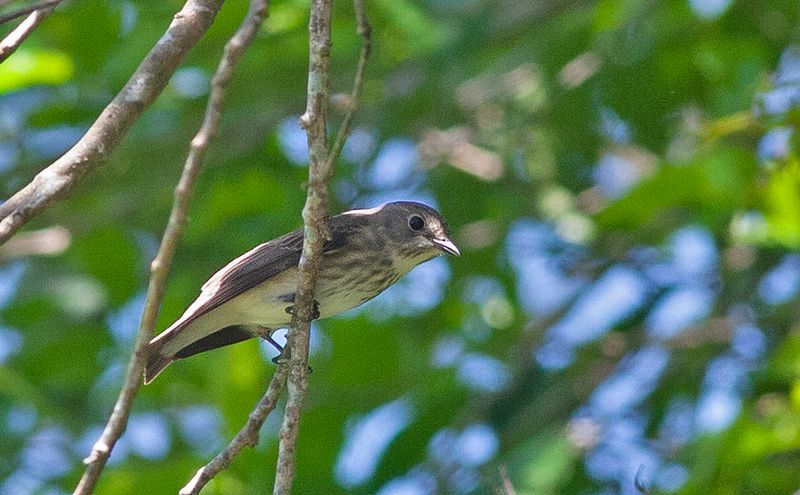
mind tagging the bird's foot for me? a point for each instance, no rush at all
(314, 311)
(283, 359)
(266, 335)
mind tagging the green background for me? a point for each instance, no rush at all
(622, 178)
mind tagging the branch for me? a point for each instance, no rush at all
(508, 486)
(365, 31)
(315, 230)
(20, 33)
(28, 9)
(247, 436)
(160, 266)
(57, 181)
(320, 173)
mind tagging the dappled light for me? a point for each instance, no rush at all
(620, 178)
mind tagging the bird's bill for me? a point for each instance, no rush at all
(447, 246)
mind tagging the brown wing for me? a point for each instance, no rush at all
(256, 266)
(245, 272)
(250, 269)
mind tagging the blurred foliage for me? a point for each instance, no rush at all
(622, 177)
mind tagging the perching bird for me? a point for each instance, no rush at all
(252, 296)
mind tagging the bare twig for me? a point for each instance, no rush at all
(315, 221)
(234, 50)
(315, 215)
(316, 230)
(20, 33)
(27, 10)
(247, 436)
(365, 31)
(508, 486)
(160, 267)
(57, 181)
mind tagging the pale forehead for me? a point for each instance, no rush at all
(401, 208)
(365, 211)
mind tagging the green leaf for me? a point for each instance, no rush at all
(29, 67)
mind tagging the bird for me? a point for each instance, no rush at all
(253, 295)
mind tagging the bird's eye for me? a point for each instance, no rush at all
(416, 223)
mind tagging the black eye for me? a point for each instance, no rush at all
(416, 223)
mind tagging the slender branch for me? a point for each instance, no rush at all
(316, 230)
(159, 269)
(57, 181)
(320, 173)
(365, 31)
(508, 486)
(160, 266)
(27, 10)
(315, 215)
(20, 33)
(247, 436)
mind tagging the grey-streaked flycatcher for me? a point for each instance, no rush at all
(253, 295)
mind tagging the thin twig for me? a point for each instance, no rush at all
(27, 10)
(159, 270)
(57, 181)
(365, 31)
(508, 486)
(20, 33)
(247, 436)
(316, 230)
(315, 214)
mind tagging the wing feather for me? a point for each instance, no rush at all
(255, 267)
(243, 273)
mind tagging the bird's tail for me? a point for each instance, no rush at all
(159, 358)
(156, 362)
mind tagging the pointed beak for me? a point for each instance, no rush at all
(447, 246)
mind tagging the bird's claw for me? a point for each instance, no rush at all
(281, 359)
(314, 311)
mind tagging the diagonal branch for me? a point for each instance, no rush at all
(234, 50)
(20, 33)
(247, 436)
(365, 31)
(28, 9)
(316, 231)
(320, 173)
(57, 181)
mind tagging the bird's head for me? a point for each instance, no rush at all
(416, 231)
